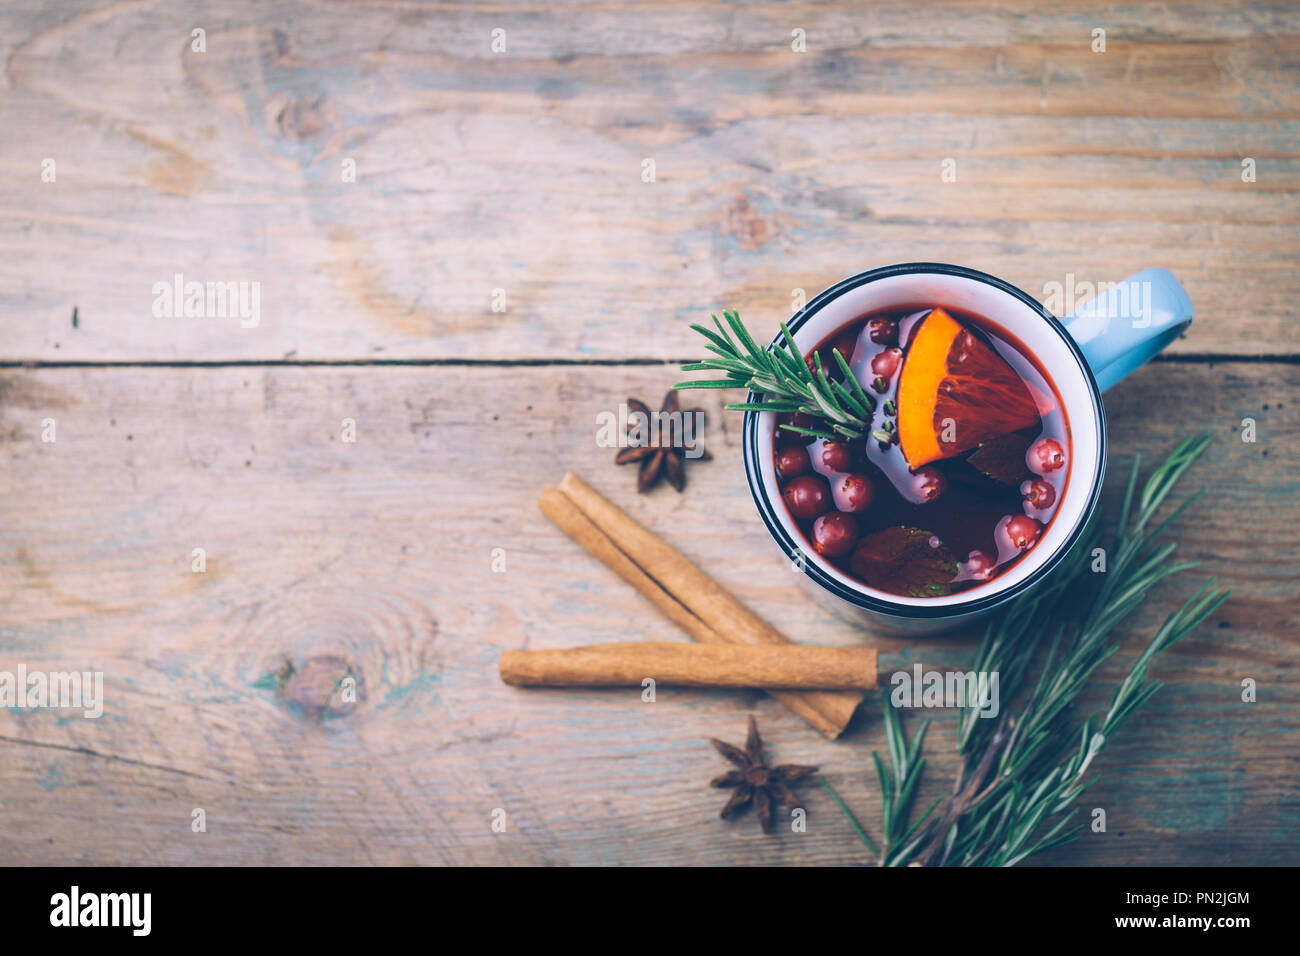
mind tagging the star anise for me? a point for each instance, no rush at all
(755, 781)
(658, 441)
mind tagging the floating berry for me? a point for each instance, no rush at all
(886, 363)
(928, 484)
(792, 460)
(1020, 531)
(834, 535)
(1038, 493)
(845, 343)
(882, 331)
(834, 456)
(1045, 456)
(807, 497)
(978, 565)
(853, 493)
(797, 420)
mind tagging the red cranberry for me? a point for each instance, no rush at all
(798, 420)
(928, 484)
(1021, 531)
(1045, 456)
(834, 535)
(1038, 493)
(792, 461)
(882, 331)
(834, 456)
(853, 493)
(979, 565)
(845, 343)
(886, 363)
(807, 497)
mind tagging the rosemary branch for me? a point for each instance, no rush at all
(1022, 774)
(782, 379)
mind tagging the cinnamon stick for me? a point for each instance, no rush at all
(560, 509)
(688, 596)
(693, 665)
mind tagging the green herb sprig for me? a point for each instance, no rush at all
(1022, 773)
(783, 380)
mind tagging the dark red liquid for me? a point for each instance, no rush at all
(963, 527)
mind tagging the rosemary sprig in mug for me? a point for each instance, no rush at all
(783, 380)
(1021, 774)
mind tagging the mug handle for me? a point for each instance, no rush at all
(1130, 322)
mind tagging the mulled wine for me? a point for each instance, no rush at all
(961, 469)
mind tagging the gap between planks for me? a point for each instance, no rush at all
(1183, 358)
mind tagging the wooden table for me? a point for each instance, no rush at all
(524, 171)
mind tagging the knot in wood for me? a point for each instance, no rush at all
(321, 687)
(304, 117)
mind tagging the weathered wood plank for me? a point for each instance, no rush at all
(522, 171)
(327, 559)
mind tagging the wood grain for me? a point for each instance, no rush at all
(374, 560)
(522, 171)
(370, 564)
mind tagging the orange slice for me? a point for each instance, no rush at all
(955, 392)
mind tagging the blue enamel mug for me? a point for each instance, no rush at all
(1085, 353)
